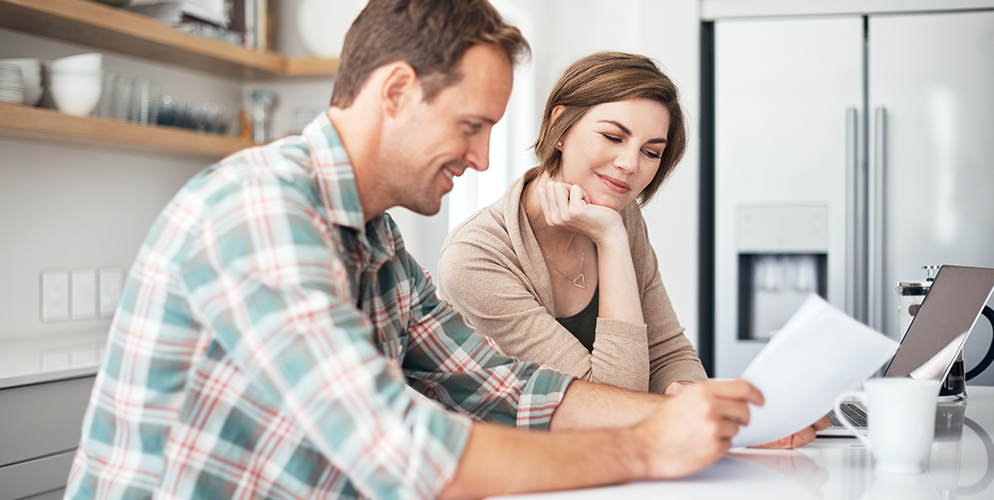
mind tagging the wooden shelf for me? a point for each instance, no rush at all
(307, 66)
(47, 125)
(118, 30)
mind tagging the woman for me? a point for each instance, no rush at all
(560, 270)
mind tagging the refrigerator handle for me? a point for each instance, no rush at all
(854, 259)
(875, 229)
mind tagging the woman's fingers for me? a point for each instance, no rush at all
(543, 200)
(559, 194)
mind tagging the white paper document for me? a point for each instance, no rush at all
(820, 353)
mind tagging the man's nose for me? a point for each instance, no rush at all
(478, 153)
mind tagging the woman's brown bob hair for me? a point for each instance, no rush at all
(610, 77)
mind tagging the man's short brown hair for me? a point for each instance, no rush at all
(610, 77)
(430, 35)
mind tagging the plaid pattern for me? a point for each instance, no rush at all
(269, 344)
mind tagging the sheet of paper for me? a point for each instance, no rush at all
(820, 353)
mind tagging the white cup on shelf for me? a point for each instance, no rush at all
(76, 93)
(900, 421)
(80, 63)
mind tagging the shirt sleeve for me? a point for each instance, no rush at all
(450, 362)
(267, 280)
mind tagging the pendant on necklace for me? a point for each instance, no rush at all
(579, 281)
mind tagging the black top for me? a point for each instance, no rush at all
(583, 323)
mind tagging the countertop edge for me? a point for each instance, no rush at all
(52, 376)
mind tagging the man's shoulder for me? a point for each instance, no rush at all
(280, 168)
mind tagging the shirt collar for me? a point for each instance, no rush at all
(333, 173)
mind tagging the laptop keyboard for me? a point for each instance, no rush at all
(856, 415)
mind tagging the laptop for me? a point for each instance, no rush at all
(938, 331)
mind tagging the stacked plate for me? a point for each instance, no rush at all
(11, 83)
(30, 76)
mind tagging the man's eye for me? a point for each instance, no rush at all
(611, 138)
(472, 128)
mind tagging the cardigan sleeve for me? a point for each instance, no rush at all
(483, 279)
(671, 355)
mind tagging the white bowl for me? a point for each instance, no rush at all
(32, 92)
(81, 62)
(76, 93)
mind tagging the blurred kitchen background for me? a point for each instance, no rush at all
(769, 88)
(836, 146)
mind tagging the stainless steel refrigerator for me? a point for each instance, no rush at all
(849, 151)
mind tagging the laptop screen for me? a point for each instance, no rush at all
(950, 310)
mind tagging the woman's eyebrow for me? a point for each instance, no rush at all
(624, 130)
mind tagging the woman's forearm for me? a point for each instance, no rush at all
(619, 294)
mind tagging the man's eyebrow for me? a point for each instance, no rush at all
(624, 130)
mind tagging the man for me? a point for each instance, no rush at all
(276, 340)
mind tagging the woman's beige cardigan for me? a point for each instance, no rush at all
(492, 270)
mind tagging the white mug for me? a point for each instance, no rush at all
(901, 421)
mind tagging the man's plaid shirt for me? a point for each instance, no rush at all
(269, 344)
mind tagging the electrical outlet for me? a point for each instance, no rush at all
(84, 296)
(54, 295)
(110, 291)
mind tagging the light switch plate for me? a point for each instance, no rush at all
(84, 294)
(54, 295)
(111, 280)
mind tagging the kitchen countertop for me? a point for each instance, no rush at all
(961, 466)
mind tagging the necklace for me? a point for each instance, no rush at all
(579, 280)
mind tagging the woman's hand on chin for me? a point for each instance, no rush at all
(568, 206)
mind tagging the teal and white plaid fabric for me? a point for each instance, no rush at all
(269, 344)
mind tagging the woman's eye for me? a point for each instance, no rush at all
(611, 138)
(652, 154)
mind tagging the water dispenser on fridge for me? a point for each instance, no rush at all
(781, 256)
(773, 285)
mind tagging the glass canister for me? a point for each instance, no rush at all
(911, 295)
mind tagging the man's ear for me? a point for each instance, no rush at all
(400, 88)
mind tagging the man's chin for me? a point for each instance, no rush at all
(426, 208)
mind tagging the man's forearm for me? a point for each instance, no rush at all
(504, 460)
(634, 436)
(536, 461)
(587, 405)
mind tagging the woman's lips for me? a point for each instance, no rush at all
(614, 184)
